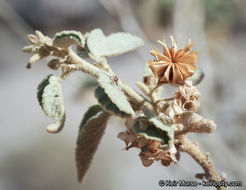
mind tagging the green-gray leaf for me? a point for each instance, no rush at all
(49, 96)
(112, 98)
(90, 133)
(67, 38)
(154, 129)
(41, 87)
(114, 44)
(157, 129)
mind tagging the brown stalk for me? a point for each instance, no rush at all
(203, 160)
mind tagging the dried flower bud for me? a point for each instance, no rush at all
(127, 137)
(146, 161)
(150, 150)
(173, 65)
(188, 97)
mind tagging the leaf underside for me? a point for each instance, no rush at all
(112, 45)
(50, 98)
(90, 133)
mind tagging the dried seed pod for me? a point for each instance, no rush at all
(173, 65)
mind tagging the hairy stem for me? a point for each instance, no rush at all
(78, 64)
(195, 123)
(203, 160)
(81, 65)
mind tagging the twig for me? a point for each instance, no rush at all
(102, 63)
(203, 160)
(194, 122)
(78, 64)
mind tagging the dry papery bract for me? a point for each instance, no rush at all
(155, 125)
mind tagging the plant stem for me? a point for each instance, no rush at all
(78, 64)
(203, 160)
(81, 65)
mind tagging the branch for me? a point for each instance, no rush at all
(204, 161)
(78, 64)
(194, 122)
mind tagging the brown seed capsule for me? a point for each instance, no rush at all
(173, 65)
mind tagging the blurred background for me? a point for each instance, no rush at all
(30, 158)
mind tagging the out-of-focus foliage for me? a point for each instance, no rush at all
(222, 12)
(166, 8)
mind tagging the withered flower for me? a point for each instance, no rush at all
(185, 99)
(188, 96)
(150, 150)
(173, 65)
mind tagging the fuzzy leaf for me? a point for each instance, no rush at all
(112, 98)
(92, 111)
(67, 38)
(49, 96)
(41, 87)
(90, 133)
(154, 129)
(166, 131)
(197, 77)
(114, 44)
